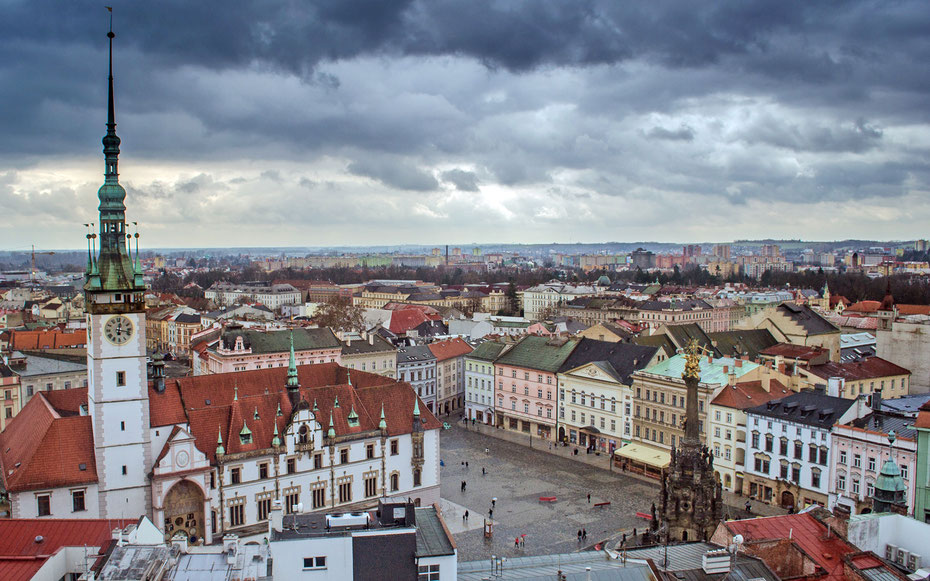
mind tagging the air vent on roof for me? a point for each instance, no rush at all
(39, 538)
(206, 402)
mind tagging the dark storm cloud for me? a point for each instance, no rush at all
(464, 181)
(683, 133)
(634, 101)
(394, 173)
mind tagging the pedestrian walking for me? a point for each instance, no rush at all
(466, 516)
(466, 464)
(523, 540)
(516, 542)
(487, 450)
(748, 507)
(579, 535)
(463, 519)
(490, 513)
(463, 463)
(584, 534)
(493, 501)
(589, 498)
(483, 472)
(464, 484)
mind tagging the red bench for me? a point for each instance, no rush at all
(644, 515)
(607, 503)
(547, 499)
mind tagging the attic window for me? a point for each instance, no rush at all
(245, 434)
(82, 466)
(206, 402)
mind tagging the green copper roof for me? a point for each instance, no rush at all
(352, 418)
(219, 443)
(245, 434)
(711, 372)
(331, 432)
(538, 353)
(487, 351)
(276, 441)
(382, 424)
(292, 367)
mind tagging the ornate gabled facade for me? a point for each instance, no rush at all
(691, 504)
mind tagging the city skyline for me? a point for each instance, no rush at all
(349, 124)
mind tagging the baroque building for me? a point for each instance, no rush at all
(691, 504)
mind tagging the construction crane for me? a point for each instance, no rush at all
(32, 273)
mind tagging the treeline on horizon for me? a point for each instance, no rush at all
(854, 286)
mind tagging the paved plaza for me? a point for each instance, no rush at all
(517, 476)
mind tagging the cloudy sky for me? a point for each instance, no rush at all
(457, 121)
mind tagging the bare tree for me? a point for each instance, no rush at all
(340, 314)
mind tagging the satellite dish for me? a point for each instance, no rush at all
(738, 540)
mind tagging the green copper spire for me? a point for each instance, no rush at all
(219, 443)
(115, 270)
(292, 368)
(245, 434)
(276, 441)
(382, 424)
(331, 432)
(316, 409)
(279, 413)
(349, 377)
(416, 406)
(256, 416)
(353, 417)
(336, 403)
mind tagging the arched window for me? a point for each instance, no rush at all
(416, 477)
(395, 482)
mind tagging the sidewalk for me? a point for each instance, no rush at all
(603, 461)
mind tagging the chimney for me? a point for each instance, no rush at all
(726, 369)
(876, 400)
(371, 339)
(835, 386)
(276, 522)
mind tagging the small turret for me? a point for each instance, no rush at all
(331, 432)
(382, 425)
(353, 418)
(276, 440)
(219, 443)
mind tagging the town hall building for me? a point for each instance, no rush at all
(208, 455)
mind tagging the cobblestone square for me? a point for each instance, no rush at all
(518, 475)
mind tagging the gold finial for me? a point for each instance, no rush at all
(692, 360)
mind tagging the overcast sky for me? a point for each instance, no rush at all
(440, 121)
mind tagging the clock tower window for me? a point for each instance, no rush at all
(120, 378)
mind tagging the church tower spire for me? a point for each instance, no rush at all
(115, 270)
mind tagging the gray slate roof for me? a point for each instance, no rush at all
(811, 408)
(684, 562)
(620, 360)
(417, 354)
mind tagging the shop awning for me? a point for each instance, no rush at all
(655, 457)
(591, 429)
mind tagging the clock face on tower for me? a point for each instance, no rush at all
(118, 330)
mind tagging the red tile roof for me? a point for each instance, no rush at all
(42, 448)
(427, 310)
(805, 353)
(234, 399)
(54, 338)
(905, 310)
(809, 534)
(21, 556)
(867, 368)
(406, 319)
(864, 307)
(749, 394)
(450, 348)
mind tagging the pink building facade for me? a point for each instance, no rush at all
(526, 400)
(247, 349)
(858, 456)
